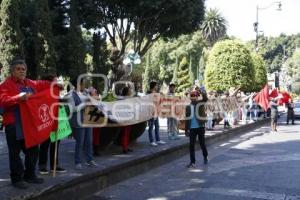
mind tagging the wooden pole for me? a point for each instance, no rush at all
(55, 156)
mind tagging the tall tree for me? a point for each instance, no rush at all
(175, 72)
(141, 22)
(44, 41)
(214, 26)
(100, 54)
(184, 81)
(191, 71)
(26, 26)
(146, 78)
(60, 18)
(11, 46)
(75, 46)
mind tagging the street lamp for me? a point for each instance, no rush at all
(255, 25)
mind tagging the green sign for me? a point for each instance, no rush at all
(64, 128)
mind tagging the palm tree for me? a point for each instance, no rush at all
(214, 26)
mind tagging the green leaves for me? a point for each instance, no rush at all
(214, 26)
(260, 69)
(183, 75)
(229, 65)
(11, 46)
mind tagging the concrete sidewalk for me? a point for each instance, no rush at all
(113, 165)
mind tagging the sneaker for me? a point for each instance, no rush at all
(91, 163)
(21, 185)
(191, 165)
(34, 180)
(153, 144)
(161, 142)
(78, 166)
(59, 170)
(43, 171)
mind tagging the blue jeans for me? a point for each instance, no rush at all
(153, 122)
(83, 137)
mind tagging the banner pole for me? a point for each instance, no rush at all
(55, 155)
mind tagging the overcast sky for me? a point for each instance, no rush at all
(241, 14)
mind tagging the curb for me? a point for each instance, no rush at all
(85, 185)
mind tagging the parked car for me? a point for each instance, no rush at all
(297, 109)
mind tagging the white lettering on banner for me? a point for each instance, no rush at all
(45, 125)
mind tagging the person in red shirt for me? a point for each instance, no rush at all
(15, 89)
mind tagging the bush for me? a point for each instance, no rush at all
(260, 72)
(229, 65)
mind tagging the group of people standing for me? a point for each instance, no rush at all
(17, 88)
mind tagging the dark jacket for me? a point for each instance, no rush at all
(201, 116)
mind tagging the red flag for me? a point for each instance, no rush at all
(37, 115)
(274, 93)
(262, 98)
(285, 97)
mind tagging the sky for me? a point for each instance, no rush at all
(241, 14)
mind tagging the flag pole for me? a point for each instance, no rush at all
(55, 156)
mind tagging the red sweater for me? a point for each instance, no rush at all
(9, 91)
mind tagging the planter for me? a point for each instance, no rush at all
(108, 135)
(136, 131)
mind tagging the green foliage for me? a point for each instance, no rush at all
(293, 66)
(75, 45)
(184, 81)
(260, 76)
(146, 78)
(43, 39)
(150, 19)
(109, 97)
(10, 36)
(191, 73)
(275, 50)
(100, 54)
(59, 18)
(175, 78)
(214, 26)
(229, 65)
(165, 56)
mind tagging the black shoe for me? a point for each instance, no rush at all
(129, 150)
(21, 185)
(59, 170)
(43, 171)
(125, 151)
(191, 165)
(34, 180)
(205, 161)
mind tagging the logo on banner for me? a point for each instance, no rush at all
(44, 113)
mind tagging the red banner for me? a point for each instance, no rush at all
(37, 115)
(262, 98)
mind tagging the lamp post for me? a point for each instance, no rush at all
(255, 25)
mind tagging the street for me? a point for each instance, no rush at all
(256, 165)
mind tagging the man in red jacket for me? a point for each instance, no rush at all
(13, 90)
